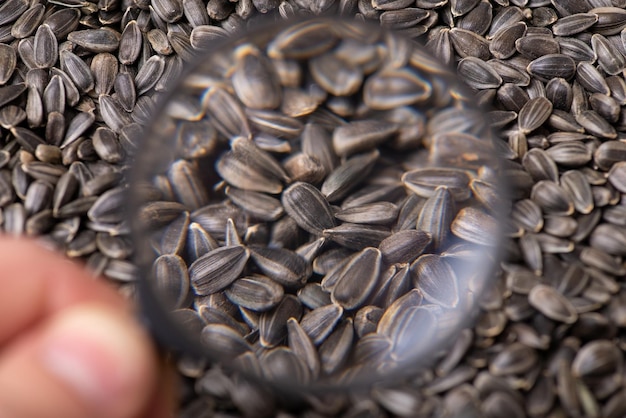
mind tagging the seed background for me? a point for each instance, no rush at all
(522, 358)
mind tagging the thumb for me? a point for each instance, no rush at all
(87, 360)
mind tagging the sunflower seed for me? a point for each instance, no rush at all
(273, 323)
(217, 269)
(552, 304)
(308, 207)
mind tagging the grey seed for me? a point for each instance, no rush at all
(551, 66)
(11, 10)
(355, 236)
(254, 79)
(552, 304)
(187, 184)
(8, 61)
(608, 153)
(77, 126)
(609, 238)
(199, 242)
(320, 322)
(313, 296)
(130, 43)
(533, 114)
(172, 279)
(217, 269)
(225, 113)
(259, 205)
(436, 216)
(512, 97)
(533, 47)
(377, 213)
(107, 145)
(335, 350)
(112, 113)
(360, 136)
(559, 92)
(181, 45)
(596, 124)
(564, 121)
(274, 123)
(149, 74)
(300, 343)
(570, 154)
(84, 244)
(43, 171)
(96, 40)
(301, 167)
(393, 88)
(283, 365)
(28, 22)
(212, 314)
(591, 79)
(477, 20)
(573, 24)
(174, 237)
(510, 73)
(54, 96)
(552, 198)
(424, 182)
(302, 41)
(390, 318)
(357, 279)
(27, 138)
(413, 321)
(366, 320)
(597, 358)
(499, 404)
(195, 12)
(560, 226)
(104, 69)
(436, 280)
(606, 262)
(611, 20)
(469, 44)
(476, 226)
(222, 341)
(614, 215)
(39, 223)
(78, 71)
(11, 92)
(14, 218)
(48, 154)
(308, 207)
(76, 207)
(539, 164)
(478, 74)
(45, 47)
(617, 176)
(202, 37)
(605, 106)
(11, 116)
(610, 59)
(402, 18)
(256, 292)
(107, 208)
(404, 246)
(550, 244)
(316, 142)
(38, 197)
(63, 21)
(576, 49)
(282, 265)
(72, 95)
(273, 323)
(504, 18)
(348, 175)
(159, 42)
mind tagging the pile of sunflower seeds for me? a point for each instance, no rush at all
(73, 104)
(328, 183)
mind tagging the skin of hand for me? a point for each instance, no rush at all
(70, 346)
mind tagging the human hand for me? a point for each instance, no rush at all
(69, 345)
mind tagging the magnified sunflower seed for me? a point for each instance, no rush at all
(217, 269)
(552, 304)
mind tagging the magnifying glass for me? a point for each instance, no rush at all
(317, 205)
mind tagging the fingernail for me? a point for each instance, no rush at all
(98, 353)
